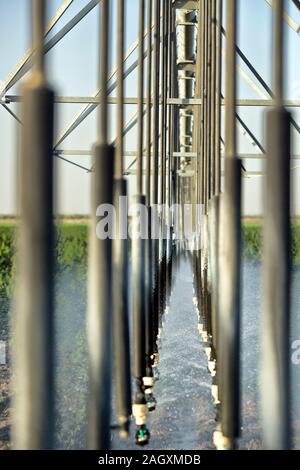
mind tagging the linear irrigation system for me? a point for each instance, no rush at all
(180, 160)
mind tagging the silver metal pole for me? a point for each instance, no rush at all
(120, 253)
(198, 113)
(205, 85)
(202, 96)
(275, 390)
(148, 101)
(278, 56)
(103, 72)
(155, 124)
(230, 251)
(213, 230)
(148, 380)
(230, 83)
(162, 175)
(100, 268)
(120, 90)
(140, 409)
(213, 98)
(171, 124)
(205, 168)
(163, 124)
(214, 227)
(138, 261)
(208, 101)
(218, 98)
(33, 408)
(155, 158)
(100, 305)
(140, 123)
(211, 240)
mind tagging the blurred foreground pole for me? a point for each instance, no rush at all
(120, 253)
(230, 254)
(33, 321)
(276, 266)
(99, 316)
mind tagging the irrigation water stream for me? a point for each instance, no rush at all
(184, 417)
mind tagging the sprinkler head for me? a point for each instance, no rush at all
(155, 359)
(151, 401)
(142, 435)
(149, 382)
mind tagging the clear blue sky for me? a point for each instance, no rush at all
(72, 66)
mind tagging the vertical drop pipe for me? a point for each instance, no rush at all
(140, 409)
(215, 203)
(216, 160)
(203, 102)
(121, 341)
(175, 135)
(230, 253)
(205, 173)
(99, 314)
(148, 379)
(208, 101)
(217, 179)
(155, 166)
(162, 175)
(166, 142)
(170, 130)
(33, 408)
(275, 388)
(197, 112)
(210, 225)
(213, 83)
(198, 130)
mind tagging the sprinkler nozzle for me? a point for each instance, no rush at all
(142, 435)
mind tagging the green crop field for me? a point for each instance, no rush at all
(71, 240)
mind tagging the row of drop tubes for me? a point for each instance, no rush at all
(217, 265)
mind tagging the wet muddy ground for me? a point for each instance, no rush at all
(185, 415)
